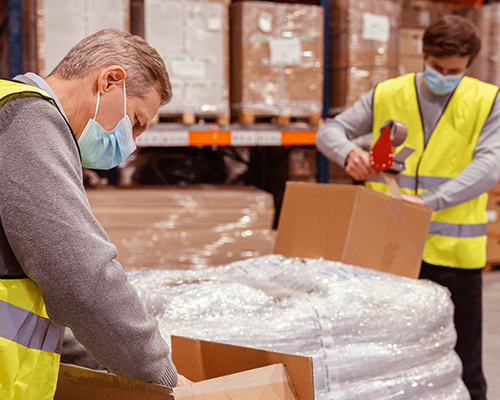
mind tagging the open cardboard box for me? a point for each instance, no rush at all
(353, 225)
(220, 371)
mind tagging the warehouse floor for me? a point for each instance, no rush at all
(491, 349)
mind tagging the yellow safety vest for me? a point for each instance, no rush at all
(30, 345)
(457, 235)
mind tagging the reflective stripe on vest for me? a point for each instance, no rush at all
(457, 235)
(30, 344)
(29, 330)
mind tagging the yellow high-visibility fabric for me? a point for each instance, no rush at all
(457, 237)
(25, 373)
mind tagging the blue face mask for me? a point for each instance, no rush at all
(440, 84)
(101, 149)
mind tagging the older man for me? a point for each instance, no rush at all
(57, 266)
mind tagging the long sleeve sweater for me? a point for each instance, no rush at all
(49, 234)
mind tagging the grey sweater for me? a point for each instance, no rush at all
(335, 140)
(48, 232)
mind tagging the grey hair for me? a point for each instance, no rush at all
(145, 67)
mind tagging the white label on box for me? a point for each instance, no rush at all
(214, 24)
(376, 27)
(420, 46)
(188, 69)
(248, 138)
(285, 51)
(265, 22)
(492, 216)
(424, 18)
(269, 138)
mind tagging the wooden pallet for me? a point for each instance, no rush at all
(246, 117)
(191, 118)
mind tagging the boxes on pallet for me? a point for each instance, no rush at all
(184, 228)
(365, 44)
(62, 24)
(493, 213)
(193, 38)
(486, 66)
(415, 18)
(276, 59)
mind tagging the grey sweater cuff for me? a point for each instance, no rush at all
(430, 200)
(169, 376)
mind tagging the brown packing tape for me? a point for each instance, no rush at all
(397, 198)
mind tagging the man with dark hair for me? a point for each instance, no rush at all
(454, 125)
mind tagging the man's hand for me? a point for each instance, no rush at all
(358, 165)
(413, 199)
(183, 381)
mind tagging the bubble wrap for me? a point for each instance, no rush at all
(371, 335)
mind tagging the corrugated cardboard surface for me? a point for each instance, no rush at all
(199, 360)
(354, 225)
(62, 24)
(193, 38)
(76, 383)
(265, 87)
(270, 383)
(182, 228)
(358, 63)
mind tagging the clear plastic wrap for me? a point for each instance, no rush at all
(62, 24)
(193, 38)
(365, 45)
(371, 335)
(277, 58)
(190, 227)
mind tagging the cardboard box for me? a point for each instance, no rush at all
(354, 225)
(422, 14)
(62, 24)
(193, 38)
(276, 58)
(220, 371)
(365, 44)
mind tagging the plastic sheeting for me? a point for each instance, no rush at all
(185, 227)
(372, 335)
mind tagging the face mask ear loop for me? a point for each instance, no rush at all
(97, 105)
(124, 100)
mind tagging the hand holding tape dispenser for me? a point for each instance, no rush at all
(382, 157)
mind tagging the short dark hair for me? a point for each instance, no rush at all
(452, 36)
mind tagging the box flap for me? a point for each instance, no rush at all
(199, 360)
(354, 225)
(77, 383)
(315, 220)
(270, 383)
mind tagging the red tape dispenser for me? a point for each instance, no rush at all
(382, 158)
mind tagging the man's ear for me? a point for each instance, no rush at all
(111, 77)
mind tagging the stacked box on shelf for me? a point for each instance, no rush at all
(365, 44)
(302, 164)
(486, 67)
(493, 212)
(193, 38)
(62, 24)
(276, 60)
(185, 227)
(416, 17)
